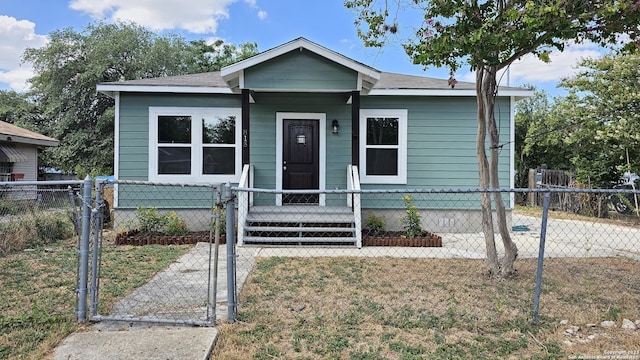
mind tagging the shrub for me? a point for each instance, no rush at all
(149, 221)
(375, 224)
(175, 226)
(411, 221)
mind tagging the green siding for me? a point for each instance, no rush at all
(263, 146)
(165, 197)
(134, 126)
(441, 150)
(440, 153)
(300, 70)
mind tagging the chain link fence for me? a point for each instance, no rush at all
(35, 214)
(593, 246)
(582, 237)
(177, 225)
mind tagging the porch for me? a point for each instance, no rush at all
(309, 224)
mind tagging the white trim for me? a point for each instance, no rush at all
(108, 88)
(512, 143)
(196, 114)
(241, 79)
(292, 90)
(116, 153)
(300, 43)
(322, 125)
(445, 92)
(403, 118)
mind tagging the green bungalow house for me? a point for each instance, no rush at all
(301, 116)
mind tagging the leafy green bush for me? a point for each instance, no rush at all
(411, 221)
(175, 226)
(150, 221)
(375, 224)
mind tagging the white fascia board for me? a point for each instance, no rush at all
(31, 141)
(441, 92)
(291, 46)
(319, 91)
(111, 89)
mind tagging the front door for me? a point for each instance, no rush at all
(300, 159)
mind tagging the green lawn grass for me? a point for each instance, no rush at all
(37, 291)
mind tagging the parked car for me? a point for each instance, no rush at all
(625, 203)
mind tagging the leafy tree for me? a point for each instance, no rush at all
(72, 63)
(203, 57)
(539, 137)
(488, 36)
(601, 118)
(16, 108)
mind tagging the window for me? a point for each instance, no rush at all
(383, 146)
(194, 144)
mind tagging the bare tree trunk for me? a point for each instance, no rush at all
(484, 175)
(489, 88)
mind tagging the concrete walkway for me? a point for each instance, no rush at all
(115, 340)
(122, 340)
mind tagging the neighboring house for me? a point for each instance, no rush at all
(19, 152)
(297, 117)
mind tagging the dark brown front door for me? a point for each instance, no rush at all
(300, 160)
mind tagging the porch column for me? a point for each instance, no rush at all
(355, 127)
(245, 127)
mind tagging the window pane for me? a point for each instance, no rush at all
(218, 160)
(174, 129)
(219, 130)
(174, 160)
(382, 131)
(382, 162)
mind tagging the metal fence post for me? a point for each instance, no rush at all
(543, 237)
(213, 291)
(231, 256)
(84, 251)
(95, 266)
(72, 200)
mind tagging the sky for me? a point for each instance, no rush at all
(269, 23)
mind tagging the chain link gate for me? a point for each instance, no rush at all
(181, 228)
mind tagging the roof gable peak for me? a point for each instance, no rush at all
(233, 72)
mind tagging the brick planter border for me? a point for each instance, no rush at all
(133, 237)
(429, 240)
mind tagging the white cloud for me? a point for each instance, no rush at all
(262, 14)
(531, 70)
(196, 16)
(15, 37)
(563, 64)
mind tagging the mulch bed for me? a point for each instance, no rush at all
(389, 238)
(397, 238)
(133, 237)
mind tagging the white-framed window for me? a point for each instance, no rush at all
(195, 144)
(383, 146)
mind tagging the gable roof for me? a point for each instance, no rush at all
(233, 73)
(10, 132)
(229, 80)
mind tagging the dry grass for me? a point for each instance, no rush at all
(379, 308)
(630, 220)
